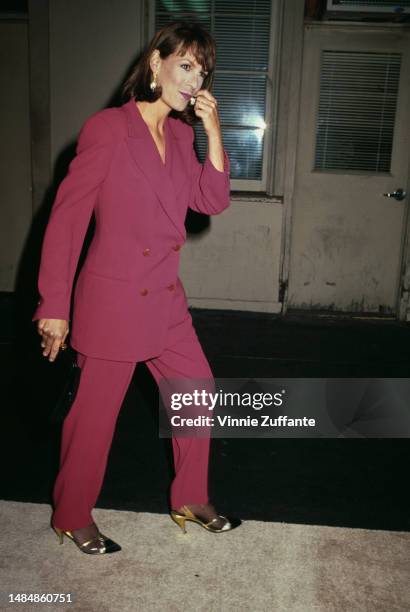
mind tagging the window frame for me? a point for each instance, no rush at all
(266, 185)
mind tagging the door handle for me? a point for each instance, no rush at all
(399, 194)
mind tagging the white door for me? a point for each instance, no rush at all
(347, 237)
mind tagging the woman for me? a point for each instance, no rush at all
(137, 170)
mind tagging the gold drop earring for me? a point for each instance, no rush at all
(154, 83)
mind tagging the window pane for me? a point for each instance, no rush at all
(241, 30)
(164, 18)
(175, 6)
(242, 42)
(357, 107)
(256, 7)
(241, 99)
(244, 148)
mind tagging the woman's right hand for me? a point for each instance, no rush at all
(53, 333)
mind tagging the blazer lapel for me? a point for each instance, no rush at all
(146, 155)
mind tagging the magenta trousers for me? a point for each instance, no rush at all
(89, 427)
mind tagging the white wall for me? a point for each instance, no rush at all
(92, 45)
(15, 167)
(235, 264)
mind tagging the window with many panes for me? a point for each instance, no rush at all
(245, 33)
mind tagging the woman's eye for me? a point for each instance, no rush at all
(203, 74)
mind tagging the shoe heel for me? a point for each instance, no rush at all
(60, 534)
(179, 520)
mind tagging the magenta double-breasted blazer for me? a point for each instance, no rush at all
(128, 296)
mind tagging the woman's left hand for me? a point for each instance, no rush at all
(206, 108)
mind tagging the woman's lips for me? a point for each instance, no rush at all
(185, 96)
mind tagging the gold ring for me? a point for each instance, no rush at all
(63, 346)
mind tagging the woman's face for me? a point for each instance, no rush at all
(178, 75)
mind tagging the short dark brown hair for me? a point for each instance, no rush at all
(178, 35)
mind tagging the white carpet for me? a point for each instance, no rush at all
(259, 567)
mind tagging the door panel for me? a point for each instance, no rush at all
(353, 146)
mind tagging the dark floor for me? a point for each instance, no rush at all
(347, 482)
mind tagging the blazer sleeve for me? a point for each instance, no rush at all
(210, 192)
(70, 216)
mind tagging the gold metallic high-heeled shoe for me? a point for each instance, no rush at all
(179, 517)
(96, 546)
